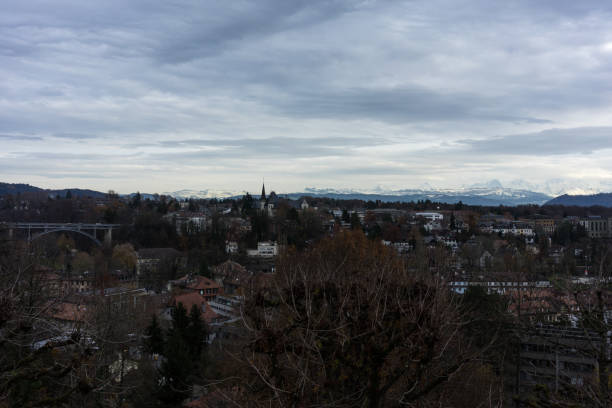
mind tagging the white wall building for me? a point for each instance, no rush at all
(231, 247)
(265, 249)
(431, 216)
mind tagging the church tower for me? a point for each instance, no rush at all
(263, 192)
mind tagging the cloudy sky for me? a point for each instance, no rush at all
(161, 96)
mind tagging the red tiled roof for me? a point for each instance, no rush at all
(193, 298)
(201, 282)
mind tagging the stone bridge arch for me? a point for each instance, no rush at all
(36, 230)
(90, 236)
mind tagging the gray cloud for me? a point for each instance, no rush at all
(397, 105)
(573, 141)
(74, 136)
(287, 147)
(181, 89)
(213, 30)
(20, 137)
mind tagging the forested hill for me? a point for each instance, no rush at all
(601, 199)
(13, 189)
(7, 188)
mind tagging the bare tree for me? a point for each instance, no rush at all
(40, 362)
(347, 324)
(58, 348)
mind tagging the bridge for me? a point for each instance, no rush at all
(38, 229)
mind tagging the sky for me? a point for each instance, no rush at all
(162, 96)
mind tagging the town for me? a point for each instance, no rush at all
(120, 271)
(305, 204)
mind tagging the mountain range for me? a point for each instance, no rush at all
(490, 193)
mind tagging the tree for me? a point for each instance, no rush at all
(345, 216)
(182, 354)
(347, 324)
(355, 221)
(82, 262)
(154, 340)
(40, 363)
(136, 200)
(125, 257)
(248, 204)
(176, 368)
(196, 335)
(180, 320)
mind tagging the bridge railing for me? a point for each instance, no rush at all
(50, 225)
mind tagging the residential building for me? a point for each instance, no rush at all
(431, 216)
(232, 276)
(192, 299)
(265, 249)
(207, 288)
(558, 357)
(597, 227)
(231, 247)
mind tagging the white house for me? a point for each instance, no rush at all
(265, 249)
(231, 247)
(431, 216)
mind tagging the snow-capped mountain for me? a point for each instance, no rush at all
(204, 194)
(489, 193)
(493, 187)
(557, 187)
(492, 192)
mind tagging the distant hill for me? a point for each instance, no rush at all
(77, 192)
(7, 189)
(13, 189)
(601, 199)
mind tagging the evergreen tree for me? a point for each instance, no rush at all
(180, 321)
(355, 221)
(182, 353)
(345, 216)
(203, 269)
(196, 334)
(176, 368)
(135, 203)
(154, 343)
(248, 204)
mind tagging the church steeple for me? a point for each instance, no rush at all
(263, 191)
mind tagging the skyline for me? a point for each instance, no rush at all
(330, 94)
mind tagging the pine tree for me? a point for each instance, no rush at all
(196, 334)
(355, 221)
(154, 343)
(175, 370)
(180, 320)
